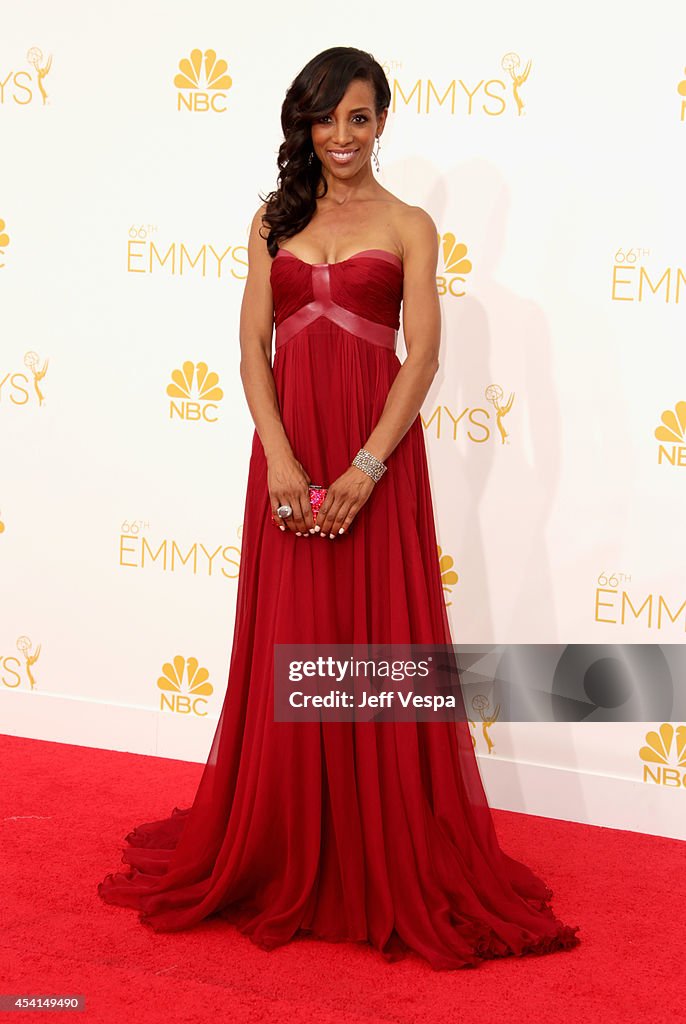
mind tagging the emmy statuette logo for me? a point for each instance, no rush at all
(11, 676)
(18, 88)
(472, 422)
(494, 394)
(512, 64)
(483, 96)
(35, 58)
(487, 717)
(18, 388)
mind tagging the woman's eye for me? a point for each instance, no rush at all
(325, 117)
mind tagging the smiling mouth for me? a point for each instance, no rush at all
(342, 156)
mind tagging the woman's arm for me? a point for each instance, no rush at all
(256, 326)
(422, 331)
(287, 479)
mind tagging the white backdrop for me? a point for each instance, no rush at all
(126, 193)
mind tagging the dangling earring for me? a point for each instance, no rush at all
(378, 147)
(309, 159)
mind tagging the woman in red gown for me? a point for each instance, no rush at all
(375, 831)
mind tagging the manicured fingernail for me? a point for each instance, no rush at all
(298, 533)
(282, 527)
(332, 536)
(316, 529)
(313, 530)
(342, 530)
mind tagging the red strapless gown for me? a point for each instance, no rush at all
(369, 831)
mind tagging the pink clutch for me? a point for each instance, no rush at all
(317, 494)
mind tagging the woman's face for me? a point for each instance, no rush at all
(344, 139)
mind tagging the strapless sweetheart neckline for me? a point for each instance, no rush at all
(362, 252)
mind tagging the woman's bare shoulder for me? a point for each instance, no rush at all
(411, 224)
(259, 219)
(414, 218)
(416, 229)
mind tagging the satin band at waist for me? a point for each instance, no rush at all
(324, 306)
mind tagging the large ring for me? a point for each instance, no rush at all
(284, 511)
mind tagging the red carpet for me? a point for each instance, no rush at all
(66, 809)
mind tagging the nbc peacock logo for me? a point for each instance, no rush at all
(195, 393)
(4, 242)
(203, 83)
(456, 266)
(664, 756)
(670, 434)
(184, 685)
(448, 575)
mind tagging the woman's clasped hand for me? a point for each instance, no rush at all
(288, 485)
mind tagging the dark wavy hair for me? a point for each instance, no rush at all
(315, 91)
